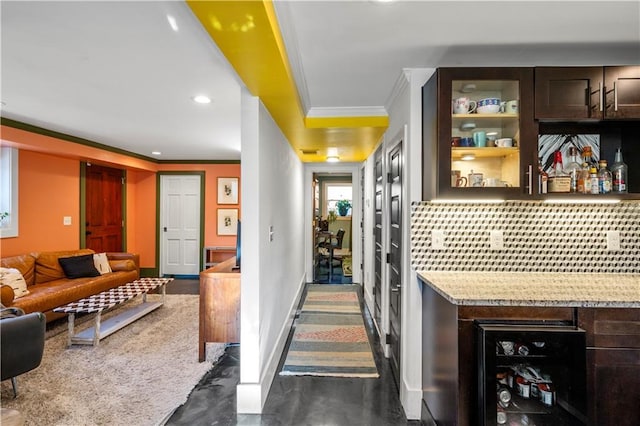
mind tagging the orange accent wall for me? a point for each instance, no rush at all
(49, 189)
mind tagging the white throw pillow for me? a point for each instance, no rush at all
(102, 263)
(13, 278)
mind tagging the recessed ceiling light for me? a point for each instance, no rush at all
(333, 159)
(201, 99)
(156, 152)
(173, 23)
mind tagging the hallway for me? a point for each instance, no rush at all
(297, 400)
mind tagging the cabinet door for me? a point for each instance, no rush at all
(622, 92)
(472, 159)
(569, 93)
(613, 386)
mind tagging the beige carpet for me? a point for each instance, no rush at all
(135, 377)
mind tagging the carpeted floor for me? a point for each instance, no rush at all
(329, 337)
(136, 376)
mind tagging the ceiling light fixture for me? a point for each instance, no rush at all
(333, 159)
(156, 153)
(201, 99)
(172, 23)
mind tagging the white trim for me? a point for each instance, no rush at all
(9, 162)
(352, 111)
(398, 89)
(283, 12)
(248, 394)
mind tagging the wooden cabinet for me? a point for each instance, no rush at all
(487, 168)
(613, 365)
(219, 305)
(578, 93)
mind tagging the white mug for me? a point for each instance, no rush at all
(511, 107)
(463, 106)
(475, 179)
(504, 142)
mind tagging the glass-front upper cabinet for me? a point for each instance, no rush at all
(485, 132)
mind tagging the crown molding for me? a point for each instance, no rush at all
(283, 13)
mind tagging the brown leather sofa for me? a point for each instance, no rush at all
(48, 286)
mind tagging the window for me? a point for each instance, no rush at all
(334, 193)
(8, 192)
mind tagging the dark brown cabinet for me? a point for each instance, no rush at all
(579, 93)
(613, 365)
(471, 161)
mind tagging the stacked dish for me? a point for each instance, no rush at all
(488, 106)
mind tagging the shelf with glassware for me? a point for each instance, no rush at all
(480, 131)
(605, 139)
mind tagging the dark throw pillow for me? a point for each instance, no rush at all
(79, 266)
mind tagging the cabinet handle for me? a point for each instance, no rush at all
(600, 89)
(615, 97)
(530, 179)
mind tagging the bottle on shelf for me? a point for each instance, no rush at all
(584, 184)
(593, 179)
(543, 178)
(587, 157)
(604, 178)
(619, 172)
(573, 169)
(559, 181)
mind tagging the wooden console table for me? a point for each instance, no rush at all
(219, 305)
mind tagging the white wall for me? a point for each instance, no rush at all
(405, 122)
(272, 270)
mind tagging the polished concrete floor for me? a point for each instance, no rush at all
(295, 400)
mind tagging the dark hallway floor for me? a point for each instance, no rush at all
(296, 400)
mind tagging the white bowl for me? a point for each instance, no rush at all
(488, 109)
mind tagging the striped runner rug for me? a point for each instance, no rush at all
(329, 337)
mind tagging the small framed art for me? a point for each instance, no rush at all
(227, 221)
(227, 190)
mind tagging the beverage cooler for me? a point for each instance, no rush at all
(531, 374)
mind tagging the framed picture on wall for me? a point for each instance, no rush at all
(227, 190)
(227, 221)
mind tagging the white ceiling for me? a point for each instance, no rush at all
(117, 74)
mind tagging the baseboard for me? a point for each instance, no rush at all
(411, 400)
(252, 396)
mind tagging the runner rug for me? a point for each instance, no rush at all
(330, 338)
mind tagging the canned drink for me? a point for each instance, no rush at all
(501, 418)
(522, 349)
(504, 397)
(547, 394)
(501, 377)
(523, 387)
(507, 348)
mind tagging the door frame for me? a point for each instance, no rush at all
(309, 170)
(396, 143)
(157, 271)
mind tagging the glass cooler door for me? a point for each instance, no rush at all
(531, 374)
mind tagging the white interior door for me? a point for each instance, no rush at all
(180, 200)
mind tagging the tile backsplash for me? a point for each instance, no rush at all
(537, 237)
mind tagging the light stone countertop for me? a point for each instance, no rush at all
(536, 289)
